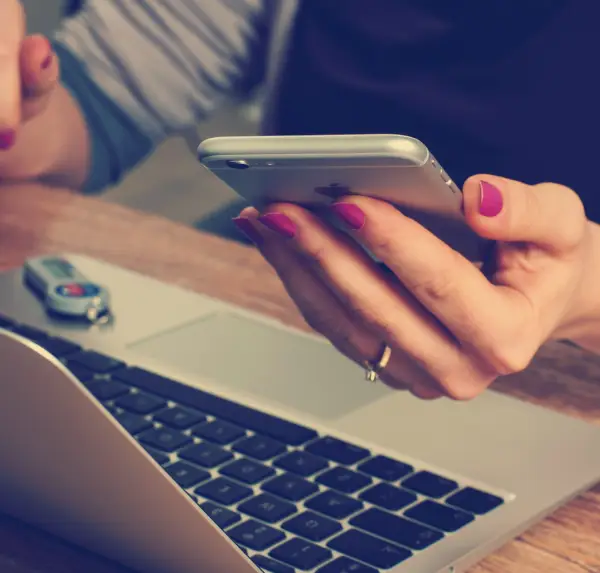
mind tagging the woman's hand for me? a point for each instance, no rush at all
(43, 135)
(452, 330)
(28, 73)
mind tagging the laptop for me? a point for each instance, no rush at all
(189, 435)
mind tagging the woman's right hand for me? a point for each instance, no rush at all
(29, 73)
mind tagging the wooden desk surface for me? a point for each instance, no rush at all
(36, 220)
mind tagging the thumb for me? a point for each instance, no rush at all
(12, 28)
(39, 75)
(548, 215)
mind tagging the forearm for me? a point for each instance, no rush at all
(584, 330)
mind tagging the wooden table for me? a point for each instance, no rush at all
(36, 220)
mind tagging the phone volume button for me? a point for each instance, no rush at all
(446, 179)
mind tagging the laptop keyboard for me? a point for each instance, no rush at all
(291, 498)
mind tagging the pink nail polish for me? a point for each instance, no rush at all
(490, 199)
(7, 139)
(280, 224)
(349, 214)
(246, 227)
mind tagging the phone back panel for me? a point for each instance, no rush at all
(407, 177)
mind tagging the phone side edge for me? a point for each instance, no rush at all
(391, 145)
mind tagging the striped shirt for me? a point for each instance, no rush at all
(142, 70)
(445, 73)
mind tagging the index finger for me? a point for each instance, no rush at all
(445, 282)
(12, 31)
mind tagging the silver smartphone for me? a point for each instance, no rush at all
(314, 170)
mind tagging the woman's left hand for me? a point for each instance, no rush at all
(452, 330)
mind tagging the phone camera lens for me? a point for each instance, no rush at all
(237, 164)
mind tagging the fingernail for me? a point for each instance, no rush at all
(490, 199)
(7, 139)
(47, 62)
(349, 214)
(280, 224)
(245, 226)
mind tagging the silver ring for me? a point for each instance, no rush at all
(373, 369)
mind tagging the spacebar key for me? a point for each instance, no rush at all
(266, 424)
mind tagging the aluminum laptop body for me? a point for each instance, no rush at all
(194, 436)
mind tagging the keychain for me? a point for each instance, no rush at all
(65, 291)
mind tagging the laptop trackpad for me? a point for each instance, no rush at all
(261, 360)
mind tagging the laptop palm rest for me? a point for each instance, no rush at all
(253, 358)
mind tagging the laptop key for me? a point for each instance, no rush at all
(290, 487)
(140, 403)
(301, 554)
(439, 516)
(475, 501)
(164, 439)
(107, 389)
(301, 463)
(255, 535)
(385, 468)
(82, 373)
(430, 484)
(312, 526)
(179, 418)
(259, 447)
(396, 529)
(133, 423)
(186, 475)
(267, 508)
(59, 347)
(95, 361)
(223, 491)
(30, 332)
(159, 457)
(246, 417)
(346, 565)
(269, 565)
(334, 504)
(343, 480)
(219, 432)
(369, 549)
(247, 471)
(206, 455)
(338, 451)
(222, 516)
(388, 496)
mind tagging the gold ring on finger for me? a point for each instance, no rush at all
(373, 369)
